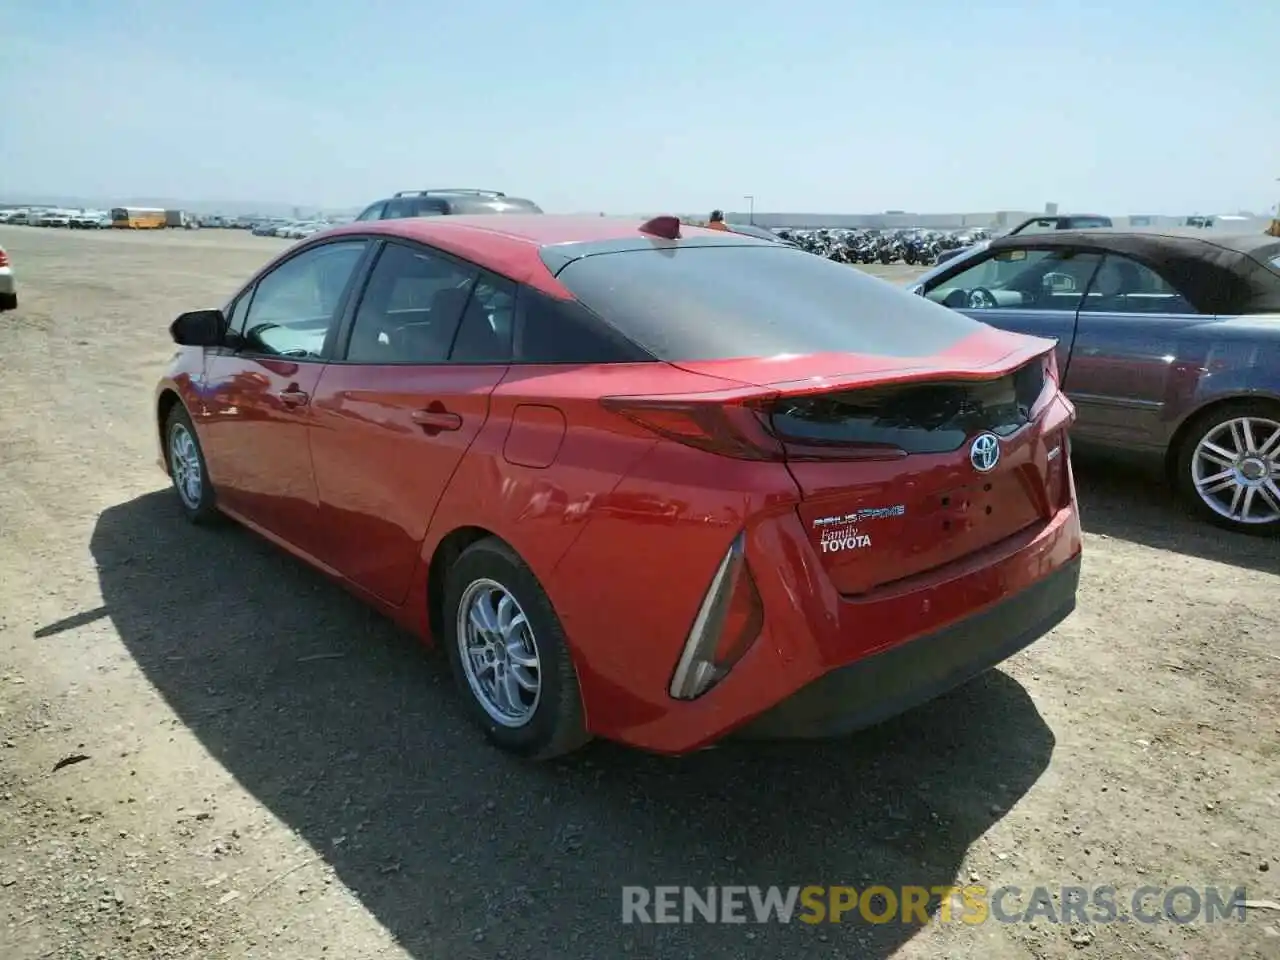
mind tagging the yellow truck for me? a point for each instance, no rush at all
(139, 218)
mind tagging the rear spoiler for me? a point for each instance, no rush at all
(1032, 348)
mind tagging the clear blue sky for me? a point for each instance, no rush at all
(1132, 106)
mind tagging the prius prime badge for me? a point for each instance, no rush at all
(985, 452)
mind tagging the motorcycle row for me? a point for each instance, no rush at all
(911, 246)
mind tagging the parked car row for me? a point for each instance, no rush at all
(446, 201)
(451, 201)
(50, 217)
(290, 229)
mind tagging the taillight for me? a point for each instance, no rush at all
(1058, 474)
(739, 428)
(1056, 421)
(1051, 367)
(727, 623)
(1068, 492)
(732, 429)
(4, 259)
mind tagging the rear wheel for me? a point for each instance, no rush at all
(187, 469)
(1228, 466)
(509, 656)
(8, 301)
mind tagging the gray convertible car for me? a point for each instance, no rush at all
(1168, 344)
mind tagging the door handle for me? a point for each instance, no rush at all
(436, 418)
(294, 397)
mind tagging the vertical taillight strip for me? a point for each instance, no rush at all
(728, 621)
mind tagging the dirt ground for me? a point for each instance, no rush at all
(263, 768)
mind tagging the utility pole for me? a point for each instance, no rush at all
(751, 215)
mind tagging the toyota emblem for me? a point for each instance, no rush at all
(985, 452)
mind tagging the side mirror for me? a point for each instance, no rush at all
(199, 328)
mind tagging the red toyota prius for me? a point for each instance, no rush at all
(643, 481)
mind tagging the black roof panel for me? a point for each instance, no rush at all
(1222, 273)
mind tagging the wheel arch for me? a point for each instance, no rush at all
(165, 402)
(1180, 432)
(446, 552)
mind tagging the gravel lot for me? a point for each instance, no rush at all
(270, 770)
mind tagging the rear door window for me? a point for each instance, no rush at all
(756, 300)
(488, 322)
(402, 207)
(1122, 285)
(467, 205)
(410, 308)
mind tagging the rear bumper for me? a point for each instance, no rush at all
(827, 664)
(864, 693)
(7, 284)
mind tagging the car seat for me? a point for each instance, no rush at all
(486, 330)
(429, 342)
(369, 341)
(1115, 279)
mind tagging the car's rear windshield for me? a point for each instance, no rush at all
(722, 302)
(501, 205)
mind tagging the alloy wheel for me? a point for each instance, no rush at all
(1236, 470)
(499, 654)
(184, 465)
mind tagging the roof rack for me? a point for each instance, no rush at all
(451, 190)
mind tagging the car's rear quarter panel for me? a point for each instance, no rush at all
(629, 589)
(624, 550)
(506, 487)
(1232, 358)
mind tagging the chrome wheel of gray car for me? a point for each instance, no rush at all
(1236, 469)
(498, 653)
(184, 465)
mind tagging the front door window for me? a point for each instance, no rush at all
(1020, 280)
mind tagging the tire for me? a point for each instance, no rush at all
(548, 723)
(198, 502)
(1192, 468)
(8, 301)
